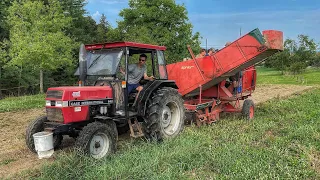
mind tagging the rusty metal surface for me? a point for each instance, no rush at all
(135, 129)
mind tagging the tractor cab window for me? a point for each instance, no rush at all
(103, 62)
(121, 67)
(134, 54)
(160, 65)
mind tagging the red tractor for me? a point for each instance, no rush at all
(100, 108)
(201, 88)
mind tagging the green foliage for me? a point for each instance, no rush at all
(47, 34)
(102, 29)
(36, 34)
(22, 103)
(82, 28)
(4, 30)
(278, 144)
(297, 55)
(161, 22)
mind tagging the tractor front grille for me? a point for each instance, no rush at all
(55, 94)
(54, 114)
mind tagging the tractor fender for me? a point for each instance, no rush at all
(147, 91)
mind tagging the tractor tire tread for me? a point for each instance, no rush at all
(83, 140)
(152, 127)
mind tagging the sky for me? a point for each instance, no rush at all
(220, 21)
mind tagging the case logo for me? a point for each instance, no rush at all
(76, 94)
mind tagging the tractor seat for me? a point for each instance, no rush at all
(101, 83)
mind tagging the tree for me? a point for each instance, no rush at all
(297, 55)
(102, 29)
(4, 31)
(37, 35)
(161, 22)
(4, 35)
(82, 28)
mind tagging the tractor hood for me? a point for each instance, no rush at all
(79, 93)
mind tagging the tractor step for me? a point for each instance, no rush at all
(130, 113)
(135, 128)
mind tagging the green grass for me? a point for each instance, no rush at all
(6, 161)
(22, 103)
(272, 76)
(281, 143)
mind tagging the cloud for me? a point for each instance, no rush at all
(96, 16)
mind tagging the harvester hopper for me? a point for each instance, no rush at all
(217, 83)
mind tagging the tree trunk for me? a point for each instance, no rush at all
(0, 85)
(41, 81)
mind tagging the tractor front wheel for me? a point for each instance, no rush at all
(248, 109)
(165, 115)
(38, 126)
(97, 140)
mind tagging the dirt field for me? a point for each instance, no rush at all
(15, 157)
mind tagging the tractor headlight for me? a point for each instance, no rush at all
(103, 109)
(61, 103)
(48, 103)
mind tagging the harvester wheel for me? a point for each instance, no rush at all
(97, 140)
(35, 126)
(165, 115)
(248, 109)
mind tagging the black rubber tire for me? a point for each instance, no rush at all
(35, 126)
(152, 126)
(247, 104)
(113, 125)
(82, 143)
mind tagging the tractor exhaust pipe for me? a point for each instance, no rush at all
(82, 65)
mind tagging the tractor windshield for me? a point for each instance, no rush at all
(102, 62)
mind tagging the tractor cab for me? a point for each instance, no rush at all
(106, 64)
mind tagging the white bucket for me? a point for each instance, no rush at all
(43, 143)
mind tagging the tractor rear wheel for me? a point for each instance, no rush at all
(165, 115)
(97, 140)
(37, 126)
(248, 109)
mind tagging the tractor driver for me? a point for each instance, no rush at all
(135, 73)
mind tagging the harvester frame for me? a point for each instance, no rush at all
(218, 83)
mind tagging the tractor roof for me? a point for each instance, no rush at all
(123, 44)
